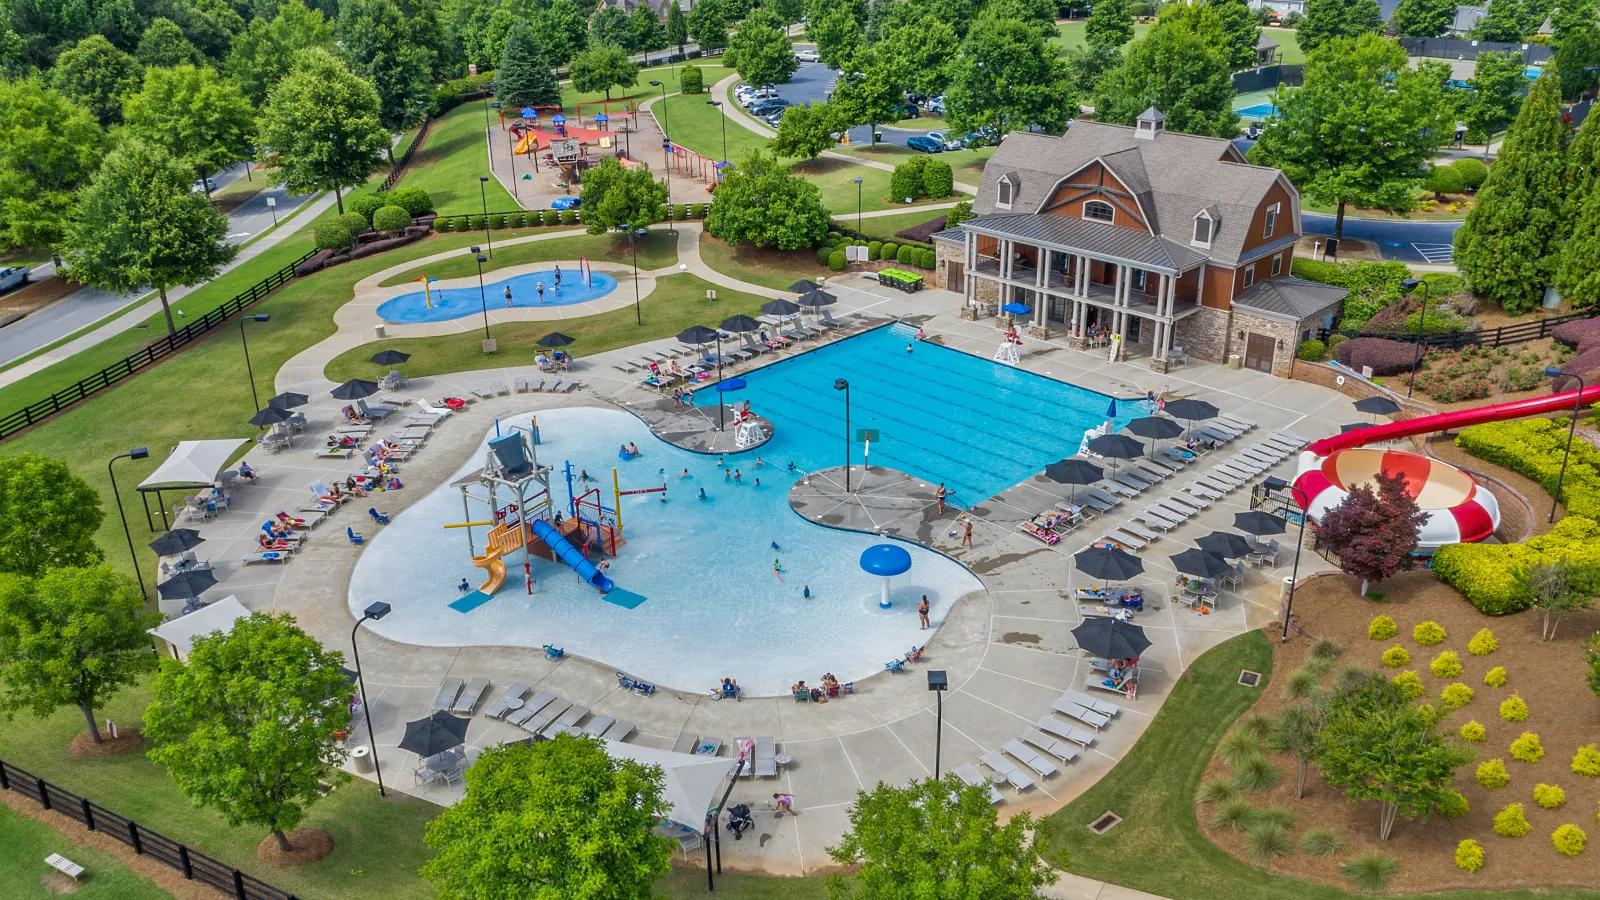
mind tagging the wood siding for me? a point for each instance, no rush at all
(1255, 237)
(1100, 183)
(1219, 288)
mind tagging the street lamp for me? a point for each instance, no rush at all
(858, 207)
(718, 104)
(666, 147)
(666, 127)
(375, 611)
(938, 682)
(839, 384)
(1577, 407)
(484, 198)
(634, 233)
(1294, 576)
(1410, 284)
(136, 453)
(482, 297)
(511, 153)
(258, 317)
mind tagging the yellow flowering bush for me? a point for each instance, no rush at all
(1428, 633)
(1410, 685)
(1514, 709)
(1474, 732)
(1495, 677)
(1395, 657)
(1469, 855)
(1493, 774)
(1483, 643)
(1569, 839)
(1510, 822)
(1527, 748)
(1456, 696)
(1587, 761)
(1549, 796)
(1446, 665)
(1382, 628)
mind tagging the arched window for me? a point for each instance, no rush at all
(1099, 210)
(1004, 192)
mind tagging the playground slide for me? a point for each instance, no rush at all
(497, 570)
(1497, 412)
(570, 555)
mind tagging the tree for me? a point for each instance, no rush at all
(118, 22)
(789, 11)
(559, 818)
(1008, 77)
(1504, 246)
(1571, 16)
(602, 68)
(1361, 129)
(805, 131)
(925, 50)
(321, 123)
(708, 24)
(1377, 745)
(74, 636)
(1593, 654)
(1423, 18)
(645, 28)
(1497, 86)
(1502, 22)
(139, 224)
(524, 77)
(48, 516)
(610, 25)
(1237, 32)
(837, 34)
(203, 121)
(96, 75)
(677, 26)
(375, 40)
(246, 725)
(1374, 532)
(759, 201)
(163, 44)
(1577, 278)
(561, 31)
(1329, 19)
(760, 50)
(1442, 180)
(1294, 731)
(264, 53)
(1110, 25)
(1577, 61)
(616, 197)
(1559, 589)
(48, 148)
(1177, 68)
(937, 838)
(872, 90)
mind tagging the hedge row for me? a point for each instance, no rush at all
(1534, 447)
(1486, 574)
(678, 213)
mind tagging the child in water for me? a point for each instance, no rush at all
(737, 477)
(806, 591)
(685, 474)
(777, 565)
(776, 547)
(463, 587)
(759, 462)
(703, 494)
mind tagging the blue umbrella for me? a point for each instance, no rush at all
(529, 112)
(1016, 309)
(1111, 411)
(732, 384)
(602, 117)
(559, 118)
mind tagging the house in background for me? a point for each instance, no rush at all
(1170, 244)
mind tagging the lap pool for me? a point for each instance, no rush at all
(453, 303)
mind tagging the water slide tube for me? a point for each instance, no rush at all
(502, 541)
(571, 555)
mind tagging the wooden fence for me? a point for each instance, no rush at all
(1505, 335)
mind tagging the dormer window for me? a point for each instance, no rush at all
(1004, 194)
(1203, 228)
(1099, 211)
(1272, 221)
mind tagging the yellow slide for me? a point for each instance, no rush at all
(502, 541)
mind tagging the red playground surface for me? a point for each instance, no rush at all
(541, 139)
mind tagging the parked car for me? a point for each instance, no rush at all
(925, 144)
(203, 185)
(983, 137)
(935, 106)
(907, 111)
(566, 203)
(13, 277)
(947, 141)
(807, 56)
(772, 119)
(770, 106)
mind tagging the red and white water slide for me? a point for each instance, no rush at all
(1459, 509)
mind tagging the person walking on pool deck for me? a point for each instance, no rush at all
(940, 495)
(966, 539)
(783, 803)
(922, 612)
(509, 302)
(806, 591)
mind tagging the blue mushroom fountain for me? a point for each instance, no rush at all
(885, 561)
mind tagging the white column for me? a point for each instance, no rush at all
(1042, 278)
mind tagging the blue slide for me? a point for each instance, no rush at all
(571, 555)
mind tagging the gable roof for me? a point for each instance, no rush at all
(1289, 298)
(1172, 178)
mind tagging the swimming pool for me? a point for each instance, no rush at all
(1258, 111)
(453, 303)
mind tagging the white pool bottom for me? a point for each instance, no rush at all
(715, 609)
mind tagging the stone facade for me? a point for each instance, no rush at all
(1283, 334)
(1204, 335)
(944, 251)
(1213, 334)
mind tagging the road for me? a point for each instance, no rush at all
(89, 305)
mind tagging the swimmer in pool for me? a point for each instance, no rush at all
(908, 348)
(703, 494)
(806, 591)
(760, 462)
(583, 476)
(685, 474)
(777, 565)
(776, 547)
(633, 448)
(758, 482)
(791, 465)
(720, 464)
(662, 472)
(737, 476)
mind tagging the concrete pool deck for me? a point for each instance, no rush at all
(1008, 650)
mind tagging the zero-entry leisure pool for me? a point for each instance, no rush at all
(453, 303)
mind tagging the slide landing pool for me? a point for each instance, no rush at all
(453, 303)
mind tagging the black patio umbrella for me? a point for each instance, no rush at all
(1377, 406)
(698, 334)
(1074, 472)
(1225, 544)
(270, 415)
(186, 585)
(1200, 563)
(1193, 410)
(355, 389)
(1258, 523)
(803, 286)
(555, 339)
(288, 400)
(1107, 563)
(1116, 446)
(780, 307)
(176, 541)
(1110, 638)
(435, 734)
(1355, 426)
(1155, 427)
(740, 324)
(816, 299)
(389, 357)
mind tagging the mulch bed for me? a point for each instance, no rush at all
(1445, 448)
(1548, 676)
(83, 747)
(310, 845)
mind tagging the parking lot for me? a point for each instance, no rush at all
(813, 82)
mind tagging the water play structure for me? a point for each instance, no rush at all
(1459, 509)
(885, 561)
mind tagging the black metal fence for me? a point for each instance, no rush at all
(1267, 78)
(1506, 335)
(405, 158)
(194, 865)
(154, 352)
(1450, 48)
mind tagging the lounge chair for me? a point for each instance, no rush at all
(468, 701)
(1174, 511)
(482, 393)
(1078, 711)
(1103, 707)
(567, 721)
(547, 715)
(1148, 470)
(968, 773)
(448, 689)
(1200, 491)
(520, 384)
(1052, 726)
(618, 731)
(1042, 767)
(598, 725)
(531, 708)
(333, 452)
(566, 386)
(1121, 537)
(1102, 496)
(266, 556)
(501, 706)
(847, 320)
(766, 758)
(708, 746)
(1155, 520)
(1137, 485)
(1139, 531)
(1236, 422)
(1007, 768)
(685, 743)
(1059, 749)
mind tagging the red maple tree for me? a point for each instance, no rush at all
(1374, 532)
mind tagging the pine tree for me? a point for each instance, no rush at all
(1504, 247)
(525, 79)
(677, 26)
(1577, 276)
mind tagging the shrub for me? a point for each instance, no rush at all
(823, 254)
(332, 236)
(1410, 685)
(1370, 872)
(1428, 633)
(1495, 677)
(1582, 334)
(477, 223)
(1453, 806)
(1474, 732)
(1442, 180)
(391, 218)
(1469, 855)
(1493, 774)
(1514, 709)
(1382, 628)
(697, 211)
(1456, 696)
(691, 80)
(1373, 285)
(874, 250)
(1238, 747)
(1549, 796)
(568, 217)
(1266, 841)
(1312, 351)
(1472, 171)
(413, 200)
(1396, 657)
(1586, 761)
(1300, 683)
(1511, 822)
(1446, 665)
(890, 250)
(443, 225)
(1321, 842)
(1569, 839)
(551, 217)
(1276, 815)
(937, 179)
(906, 181)
(930, 259)
(1324, 649)
(1386, 357)
(353, 222)
(1235, 814)
(1335, 339)
(1482, 643)
(905, 254)
(1257, 774)
(836, 260)
(364, 205)
(1527, 748)
(1534, 447)
(1218, 790)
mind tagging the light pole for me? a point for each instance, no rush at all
(1410, 284)
(858, 207)
(258, 317)
(136, 453)
(483, 197)
(839, 384)
(634, 245)
(666, 147)
(1294, 575)
(666, 127)
(718, 104)
(482, 297)
(1577, 407)
(375, 611)
(511, 154)
(938, 682)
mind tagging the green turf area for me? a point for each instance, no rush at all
(922, 123)
(1070, 35)
(694, 124)
(965, 165)
(677, 302)
(710, 73)
(884, 227)
(1289, 52)
(449, 162)
(656, 249)
(776, 269)
(837, 178)
(23, 872)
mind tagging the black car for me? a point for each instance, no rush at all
(768, 107)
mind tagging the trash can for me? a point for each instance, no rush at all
(1285, 588)
(361, 760)
(378, 330)
(1234, 362)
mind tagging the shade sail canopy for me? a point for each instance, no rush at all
(691, 784)
(193, 464)
(218, 616)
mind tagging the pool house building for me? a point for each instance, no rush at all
(1147, 242)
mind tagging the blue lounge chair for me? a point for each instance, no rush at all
(380, 518)
(895, 666)
(351, 533)
(553, 653)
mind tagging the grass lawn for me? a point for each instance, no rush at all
(23, 873)
(694, 124)
(884, 227)
(677, 302)
(710, 73)
(1071, 35)
(1289, 52)
(658, 248)
(776, 269)
(449, 162)
(925, 122)
(966, 165)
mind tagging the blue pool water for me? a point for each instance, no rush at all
(1258, 111)
(453, 303)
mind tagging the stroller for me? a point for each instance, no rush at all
(739, 819)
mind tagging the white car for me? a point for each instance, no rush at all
(949, 142)
(807, 56)
(13, 277)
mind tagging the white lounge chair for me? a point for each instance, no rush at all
(1077, 711)
(598, 725)
(766, 758)
(1053, 726)
(531, 708)
(1060, 750)
(567, 721)
(1006, 767)
(618, 731)
(1042, 767)
(448, 689)
(1103, 707)
(501, 706)
(968, 773)
(469, 698)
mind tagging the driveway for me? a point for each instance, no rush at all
(1413, 241)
